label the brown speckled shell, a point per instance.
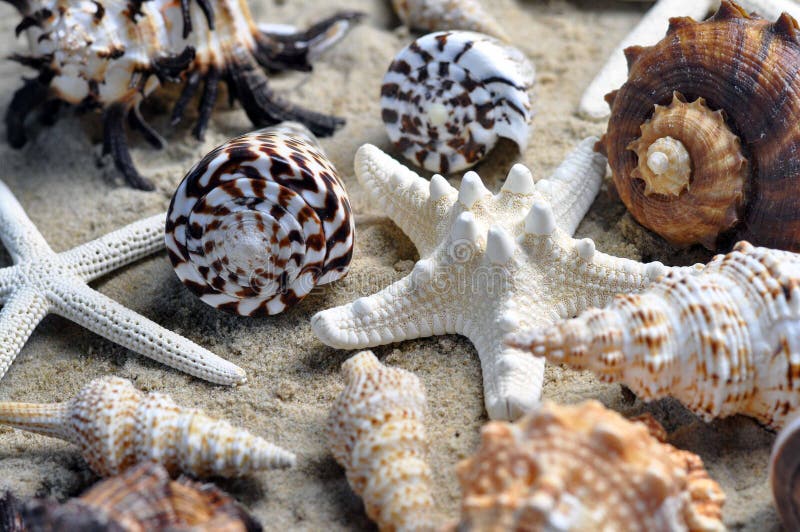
(746, 67)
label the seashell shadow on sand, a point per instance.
(72, 194)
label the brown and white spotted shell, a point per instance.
(259, 222)
(449, 96)
(111, 54)
(703, 140)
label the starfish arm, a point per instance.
(19, 317)
(417, 206)
(650, 29)
(116, 249)
(19, 235)
(103, 316)
(9, 282)
(571, 189)
(410, 308)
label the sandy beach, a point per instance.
(74, 195)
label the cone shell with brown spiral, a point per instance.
(726, 91)
(116, 426)
(584, 467)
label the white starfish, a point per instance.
(651, 29)
(42, 281)
(490, 264)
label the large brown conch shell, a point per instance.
(139, 500)
(703, 140)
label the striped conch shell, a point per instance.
(449, 96)
(260, 221)
(784, 473)
(377, 434)
(723, 340)
(435, 15)
(584, 467)
(116, 426)
(141, 499)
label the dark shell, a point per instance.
(784, 473)
(749, 69)
(141, 499)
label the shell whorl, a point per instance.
(737, 121)
(377, 434)
(117, 426)
(259, 222)
(723, 340)
(440, 15)
(449, 96)
(584, 467)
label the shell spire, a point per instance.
(723, 339)
(377, 434)
(117, 426)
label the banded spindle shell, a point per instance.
(259, 222)
(377, 433)
(726, 91)
(141, 499)
(116, 427)
(723, 339)
(784, 474)
(449, 96)
(584, 467)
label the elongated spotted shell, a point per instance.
(449, 96)
(259, 222)
(111, 55)
(703, 140)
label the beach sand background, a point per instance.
(73, 195)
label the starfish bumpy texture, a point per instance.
(42, 281)
(489, 265)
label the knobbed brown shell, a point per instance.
(703, 140)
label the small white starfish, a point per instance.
(42, 281)
(490, 265)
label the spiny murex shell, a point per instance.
(259, 222)
(116, 426)
(723, 340)
(733, 114)
(377, 433)
(784, 473)
(436, 15)
(449, 96)
(141, 499)
(580, 468)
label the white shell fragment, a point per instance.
(723, 339)
(377, 433)
(439, 15)
(116, 426)
(259, 222)
(490, 265)
(449, 96)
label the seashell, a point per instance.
(732, 113)
(259, 222)
(141, 499)
(436, 15)
(584, 467)
(724, 340)
(377, 433)
(116, 426)
(784, 466)
(113, 55)
(10, 513)
(449, 96)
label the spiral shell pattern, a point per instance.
(377, 433)
(734, 110)
(723, 339)
(449, 96)
(116, 426)
(259, 222)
